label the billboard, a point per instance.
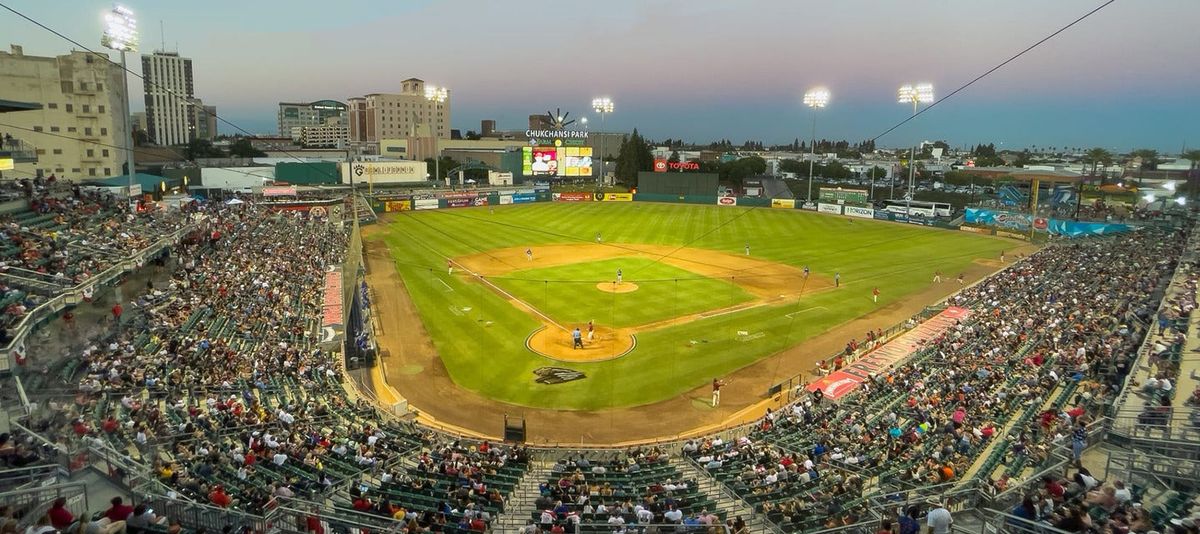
(425, 204)
(843, 196)
(662, 165)
(459, 202)
(855, 211)
(835, 209)
(573, 197)
(384, 172)
(524, 198)
(556, 160)
(726, 201)
(397, 205)
(784, 203)
(614, 197)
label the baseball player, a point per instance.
(837, 279)
(529, 254)
(875, 295)
(806, 271)
(618, 275)
(449, 267)
(599, 238)
(747, 248)
(716, 391)
(937, 277)
(591, 331)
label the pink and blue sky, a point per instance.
(694, 69)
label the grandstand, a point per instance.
(221, 400)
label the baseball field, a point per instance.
(703, 292)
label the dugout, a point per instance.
(677, 183)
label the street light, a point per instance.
(603, 106)
(816, 99)
(921, 93)
(120, 34)
(437, 95)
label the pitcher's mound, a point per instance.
(613, 287)
(606, 344)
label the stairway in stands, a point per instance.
(728, 505)
(521, 502)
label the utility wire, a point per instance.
(994, 69)
(105, 57)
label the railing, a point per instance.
(34, 502)
(19, 150)
(75, 295)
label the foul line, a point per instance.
(448, 288)
(798, 312)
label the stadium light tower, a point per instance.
(437, 95)
(921, 93)
(816, 99)
(120, 34)
(602, 106)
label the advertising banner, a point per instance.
(384, 172)
(331, 312)
(840, 383)
(279, 191)
(999, 219)
(480, 201)
(855, 211)
(506, 199)
(783, 203)
(843, 196)
(459, 202)
(614, 197)
(397, 205)
(975, 230)
(726, 201)
(829, 208)
(525, 198)
(1012, 235)
(883, 215)
(425, 204)
(572, 197)
(1079, 229)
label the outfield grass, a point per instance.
(480, 335)
(568, 293)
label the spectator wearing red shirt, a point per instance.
(60, 517)
(219, 498)
(110, 425)
(362, 504)
(118, 511)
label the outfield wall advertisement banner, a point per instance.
(384, 172)
(829, 208)
(783, 203)
(524, 198)
(614, 197)
(976, 230)
(459, 202)
(843, 196)
(1078, 229)
(726, 201)
(573, 197)
(397, 205)
(855, 211)
(840, 383)
(425, 204)
(999, 219)
(506, 200)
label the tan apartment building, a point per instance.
(80, 124)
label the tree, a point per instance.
(201, 148)
(738, 170)
(634, 157)
(1023, 158)
(141, 138)
(1194, 172)
(241, 148)
(471, 135)
(1098, 157)
(1149, 158)
(674, 157)
(442, 167)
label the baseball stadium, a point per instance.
(373, 321)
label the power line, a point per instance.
(994, 69)
(105, 57)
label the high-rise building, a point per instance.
(80, 95)
(205, 119)
(168, 87)
(301, 114)
(394, 115)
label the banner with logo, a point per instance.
(835, 209)
(855, 211)
(1012, 235)
(997, 218)
(726, 201)
(783, 203)
(614, 197)
(384, 172)
(842, 196)
(975, 230)
(506, 199)
(525, 198)
(1079, 229)
(397, 205)
(279, 191)
(573, 197)
(459, 202)
(480, 201)
(425, 204)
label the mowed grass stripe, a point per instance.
(484, 351)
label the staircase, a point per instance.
(728, 505)
(521, 502)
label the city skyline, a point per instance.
(699, 71)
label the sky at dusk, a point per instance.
(1126, 77)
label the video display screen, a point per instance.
(557, 161)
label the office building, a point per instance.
(294, 115)
(168, 87)
(333, 134)
(398, 115)
(81, 106)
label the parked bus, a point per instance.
(919, 207)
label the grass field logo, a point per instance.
(557, 375)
